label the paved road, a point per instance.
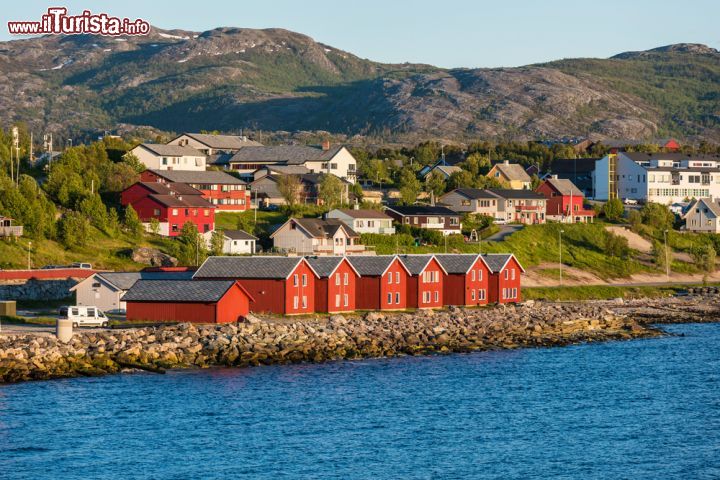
(505, 231)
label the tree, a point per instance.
(133, 162)
(154, 226)
(217, 242)
(132, 223)
(190, 246)
(660, 254)
(435, 183)
(331, 190)
(94, 209)
(289, 188)
(476, 164)
(704, 256)
(409, 187)
(657, 216)
(616, 246)
(613, 209)
(74, 230)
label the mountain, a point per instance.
(235, 78)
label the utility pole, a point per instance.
(560, 253)
(29, 249)
(667, 260)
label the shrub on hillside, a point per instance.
(74, 230)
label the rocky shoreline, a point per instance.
(279, 341)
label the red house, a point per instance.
(208, 301)
(382, 284)
(505, 271)
(425, 284)
(467, 279)
(170, 208)
(283, 285)
(226, 192)
(564, 201)
(141, 190)
(336, 284)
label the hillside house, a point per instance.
(382, 284)
(7, 229)
(364, 220)
(467, 280)
(336, 285)
(197, 301)
(282, 285)
(106, 289)
(473, 200)
(510, 175)
(703, 216)
(169, 157)
(226, 192)
(238, 242)
(564, 201)
(520, 206)
(441, 219)
(211, 144)
(266, 191)
(314, 236)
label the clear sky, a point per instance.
(447, 33)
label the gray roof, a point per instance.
(204, 177)
(362, 213)
(474, 193)
(517, 194)
(319, 228)
(285, 154)
(223, 142)
(415, 263)
(171, 188)
(457, 263)
(238, 235)
(171, 150)
(646, 157)
(371, 265)
(423, 210)
(514, 171)
(125, 280)
(710, 203)
(564, 186)
(324, 266)
(495, 261)
(248, 267)
(178, 290)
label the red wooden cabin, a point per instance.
(283, 285)
(467, 279)
(336, 284)
(208, 301)
(505, 271)
(425, 285)
(382, 284)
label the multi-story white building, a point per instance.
(659, 177)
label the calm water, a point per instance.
(641, 409)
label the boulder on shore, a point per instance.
(153, 257)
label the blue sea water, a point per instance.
(637, 409)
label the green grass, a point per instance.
(598, 292)
(246, 221)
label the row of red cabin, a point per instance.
(296, 285)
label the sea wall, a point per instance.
(279, 341)
(35, 289)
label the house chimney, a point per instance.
(506, 162)
(554, 177)
(326, 145)
(356, 205)
(179, 197)
(244, 138)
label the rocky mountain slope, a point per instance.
(233, 78)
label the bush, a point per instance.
(657, 216)
(616, 246)
(613, 210)
(704, 256)
(74, 230)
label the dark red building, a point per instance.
(425, 284)
(336, 284)
(208, 301)
(283, 285)
(564, 201)
(467, 279)
(226, 192)
(382, 284)
(505, 271)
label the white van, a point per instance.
(84, 316)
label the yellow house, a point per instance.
(511, 175)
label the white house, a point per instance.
(364, 220)
(169, 157)
(324, 159)
(703, 215)
(105, 289)
(211, 144)
(664, 178)
(314, 236)
(238, 242)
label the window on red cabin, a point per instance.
(295, 302)
(174, 227)
(156, 212)
(397, 277)
(174, 212)
(304, 280)
(506, 275)
(397, 298)
(346, 279)
(437, 296)
(473, 278)
(389, 298)
(337, 279)
(390, 280)
(346, 300)
(295, 280)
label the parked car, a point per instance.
(84, 316)
(81, 265)
(630, 201)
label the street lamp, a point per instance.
(667, 261)
(29, 248)
(560, 253)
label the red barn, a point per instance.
(467, 279)
(336, 284)
(382, 284)
(205, 301)
(565, 202)
(225, 191)
(283, 285)
(425, 285)
(505, 271)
